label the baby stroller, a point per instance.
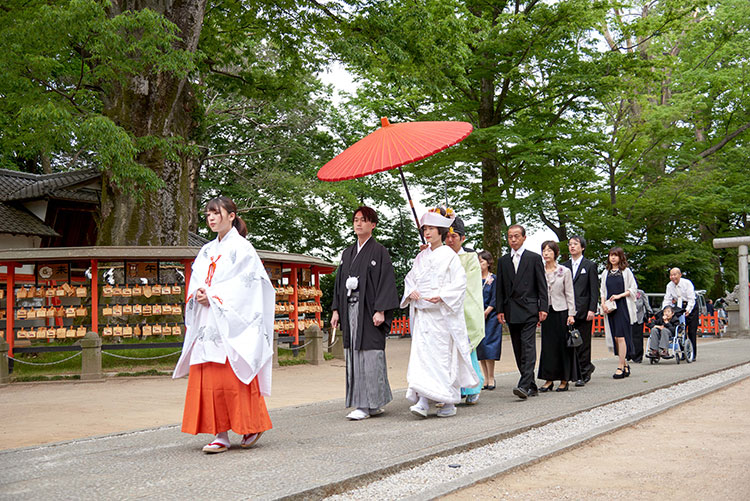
(680, 347)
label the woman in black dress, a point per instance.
(557, 362)
(618, 284)
(488, 350)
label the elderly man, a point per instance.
(681, 293)
(521, 300)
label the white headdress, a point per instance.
(434, 218)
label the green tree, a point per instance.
(515, 69)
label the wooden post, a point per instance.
(188, 267)
(10, 314)
(95, 296)
(275, 348)
(317, 297)
(293, 282)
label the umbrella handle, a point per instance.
(411, 203)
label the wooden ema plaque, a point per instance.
(273, 270)
(142, 270)
(52, 271)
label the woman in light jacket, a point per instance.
(618, 284)
(557, 362)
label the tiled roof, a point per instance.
(19, 221)
(16, 185)
(195, 240)
(79, 195)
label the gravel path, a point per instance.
(493, 458)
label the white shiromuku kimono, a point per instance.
(440, 359)
(238, 325)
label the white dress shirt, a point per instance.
(515, 256)
(359, 247)
(682, 294)
(576, 263)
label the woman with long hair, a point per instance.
(618, 285)
(228, 347)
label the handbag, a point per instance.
(610, 305)
(574, 338)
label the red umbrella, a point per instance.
(392, 146)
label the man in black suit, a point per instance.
(586, 291)
(521, 301)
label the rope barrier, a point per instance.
(299, 347)
(45, 363)
(140, 358)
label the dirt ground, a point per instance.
(696, 451)
(655, 458)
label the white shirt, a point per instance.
(515, 256)
(359, 247)
(682, 293)
(576, 263)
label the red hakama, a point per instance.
(218, 401)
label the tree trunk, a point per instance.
(493, 218)
(160, 105)
(194, 169)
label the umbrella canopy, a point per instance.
(393, 145)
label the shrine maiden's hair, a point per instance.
(216, 204)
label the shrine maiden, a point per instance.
(228, 348)
(440, 359)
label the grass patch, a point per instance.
(287, 357)
(109, 363)
(149, 372)
(59, 377)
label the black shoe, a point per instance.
(521, 393)
(533, 392)
(580, 383)
(587, 377)
(626, 370)
(563, 388)
(545, 389)
(619, 374)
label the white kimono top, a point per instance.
(440, 359)
(237, 326)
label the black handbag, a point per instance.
(574, 337)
